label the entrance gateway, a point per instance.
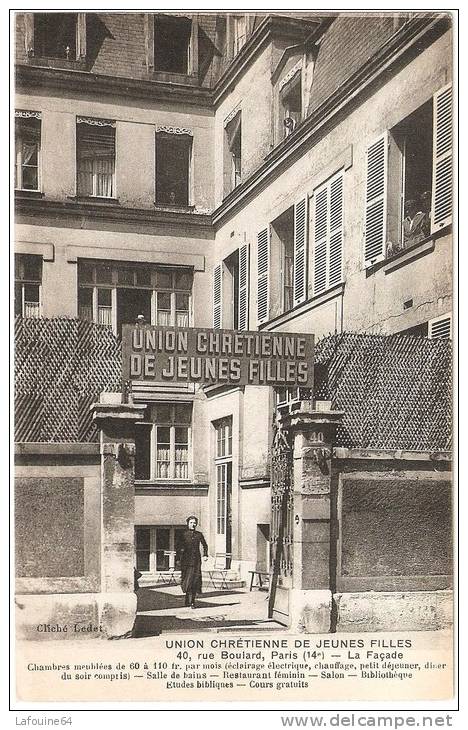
(218, 357)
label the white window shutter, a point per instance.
(440, 327)
(442, 160)
(376, 201)
(243, 304)
(217, 296)
(263, 265)
(300, 251)
(320, 240)
(335, 254)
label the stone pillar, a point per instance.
(312, 433)
(117, 600)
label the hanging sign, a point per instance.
(217, 357)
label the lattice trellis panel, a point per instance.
(61, 367)
(395, 391)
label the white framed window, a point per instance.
(231, 291)
(290, 102)
(283, 396)
(116, 294)
(157, 547)
(164, 443)
(328, 234)
(409, 180)
(233, 153)
(27, 150)
(95, 158)
(239, 32)
(28, 285)
(175, 46)
(223, 476)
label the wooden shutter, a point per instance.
(442, 160)
(217, 296)
(440, 327)
(263, 264)
(243, 299)
(300, 251)
(320, 240)
(335, 246)
(376, 201)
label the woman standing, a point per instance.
(190, 561)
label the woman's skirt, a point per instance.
(191, 579)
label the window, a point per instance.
(231, 291)
(158, 548)
(28, 279)
(239, 32)
(282, 237)
(223, 468)
(288, 395)
(282, 263)
(95, 157)
(173, 163)
(290, 96)
(173, 45)
(27, 150)
(163, 443)
(409, 180)
(115, 294)
(233, 153)
(328, 234)
(55, 35)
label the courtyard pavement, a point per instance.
(161, 610)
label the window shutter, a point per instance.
(376, 201)
(336, 231)
(442, 162)
(300, 251)
(263, 263)
(243, 313)
(217, 296)
(320, 240)
(440, 328)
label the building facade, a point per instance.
(285, 173)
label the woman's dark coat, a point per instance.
(190, 560)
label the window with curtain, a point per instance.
(172, 440)
(103, 288)
(95, 157)
(28, 279)
(27, 150)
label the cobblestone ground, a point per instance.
(161, 610)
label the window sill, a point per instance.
(174, 208)
(169, 484)
(63, 63)
(23, 193)
(400, 258)
(94, 199)
(173, 77)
